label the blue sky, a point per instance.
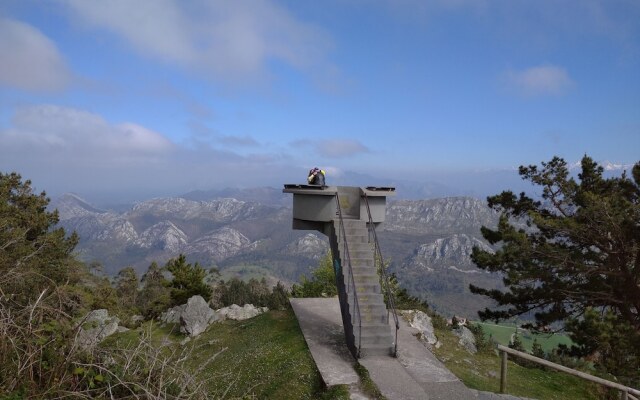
(158, 97)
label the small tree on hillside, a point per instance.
(126, 284)
(323, 282)
(154, 297)
(579, 251)
(29, 238)
(188, 280)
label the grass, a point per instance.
(366, 384)
(264, 357)
(502, 335)
(482, 372)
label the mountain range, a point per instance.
(426, 242)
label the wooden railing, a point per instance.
(627, 393)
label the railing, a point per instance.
(385, 277)
(627, 393)
(350, 281)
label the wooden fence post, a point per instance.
(503, 372)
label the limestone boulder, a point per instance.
(172, 315)
(235, 312)
(196, 316)
(467, 340)
(422, 322)
(96, 326)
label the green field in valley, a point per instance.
(502, 335)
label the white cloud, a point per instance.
(65, 149)
(62, 129)
(30, 60)
(223, 39)
(539, 81)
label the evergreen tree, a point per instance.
(516, 343)
(126, 284)
(323, 282)
(279, 299)
(576, 249)
(536, 349)
(154, 297)
(29, 239)
(188, 280)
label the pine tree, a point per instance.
(323, 283)
(29, 239)
(576, 249)
(188, 280)
(536, 349)
(154, 297)
(126, 284)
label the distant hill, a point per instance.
(428, 242)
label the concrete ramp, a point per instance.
(414, 374)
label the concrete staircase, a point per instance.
(368, 332)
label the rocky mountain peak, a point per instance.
(164, 235)
(449, 214)
(71, 205)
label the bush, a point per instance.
(188, 281)
(322, 283)
(483, 343)
(256, 292)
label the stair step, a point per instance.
(376, 350)
(365, 288)
(361, 263)
(366, 299)
(373, 317)
(365, 246)
(358, 254)
(353, 222)
(356, 239)
(365, 278)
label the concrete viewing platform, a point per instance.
(415, 374)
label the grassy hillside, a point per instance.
(482, 372)
(267, 358)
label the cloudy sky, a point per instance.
(158, 97)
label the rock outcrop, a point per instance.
(467, 340)
(422, 322)
(238, 313)
(196, 316)
(96, 326)
(193, 317)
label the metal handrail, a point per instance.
(627, 392)
(385, 277)
(350, 281)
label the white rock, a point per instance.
(237, 313)
(96, 326)
(422, 322)
(196, 316)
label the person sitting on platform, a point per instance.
(316, 177)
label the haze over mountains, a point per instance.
(426, 238)
(426, 241)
